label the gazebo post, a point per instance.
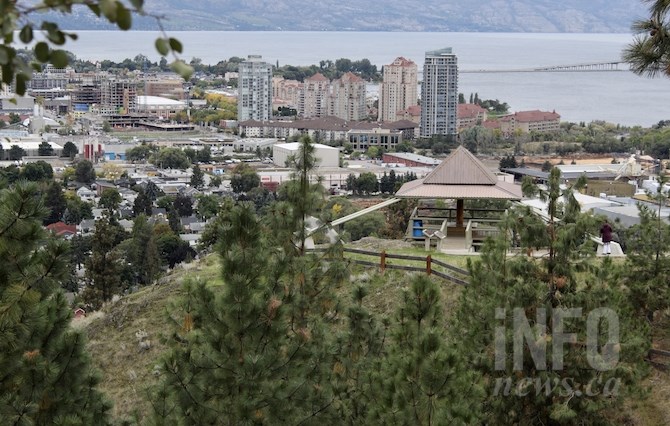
(460, 207)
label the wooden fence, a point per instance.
(425, 264)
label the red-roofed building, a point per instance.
(530, 121)
(470, 115)
(62, 229)
(412, 113)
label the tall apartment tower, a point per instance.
(439, 93)
(398, 89)
(315, 96)
(348, 98)
(254, 101)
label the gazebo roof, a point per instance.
(461, 168)
(460, 176)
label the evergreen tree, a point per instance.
(84, 172)
(70, 150)
(183, 205)
(55, 202)
(424, 381)
(144, 256)
(142, 204)
(16, 153)
(45, 374)
(103, 268)
(45, 149)
(526, 390)
(197, 178)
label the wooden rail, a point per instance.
(425, 264)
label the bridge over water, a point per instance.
(588, 67)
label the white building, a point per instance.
(159, 106)
(326, 156)
(398, 90)
(439, 93)
(254, 101)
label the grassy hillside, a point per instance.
(128, 370)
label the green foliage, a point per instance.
(170, 158)
(197, 178)
(173, 250)
(143, 254)
(84, 172)
(183, 205)
(141, 152)
(77, 210)
(207, 206)
(16, 153)
(103, 267)
(565, 278)
(21, 23)
(37, 171)
(142, 204)
(364, 226)
(110, 200)
(45, 149)
(45, 373)
(244, 178)
(649, 53)
(54, 200)
(508, 162)
(70, 150)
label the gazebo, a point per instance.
(461, 176)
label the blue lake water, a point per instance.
(617, 97)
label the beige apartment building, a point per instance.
(530, 121)
(287, 91)
(398, 90)
(348, 98)
(315, 97)
(470, 115)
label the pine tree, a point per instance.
(45, 374)
(533, 391)
(143, 253)
(197, 178)
(103, 268)
(143, 204)
(55, 201)
(423, 380)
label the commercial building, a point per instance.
(118, 96)
(172, 88)
(254, 101)
(398, 90)
(362, 139)
(326, 156)
(439, 93)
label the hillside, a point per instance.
(393, 15)
(127, 370)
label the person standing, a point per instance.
(606, 235)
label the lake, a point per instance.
(618, 97)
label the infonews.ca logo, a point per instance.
(602, 349)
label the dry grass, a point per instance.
(126, 369)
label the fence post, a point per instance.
(428, 268)
(382, 264)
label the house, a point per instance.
(61, 229)
(79, 313)
(86, 194)
(86, 226)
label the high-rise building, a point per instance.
(118, 96)
(439, 93)
(348, 98)
(254, 101)
(315, 95)
(398, 89)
